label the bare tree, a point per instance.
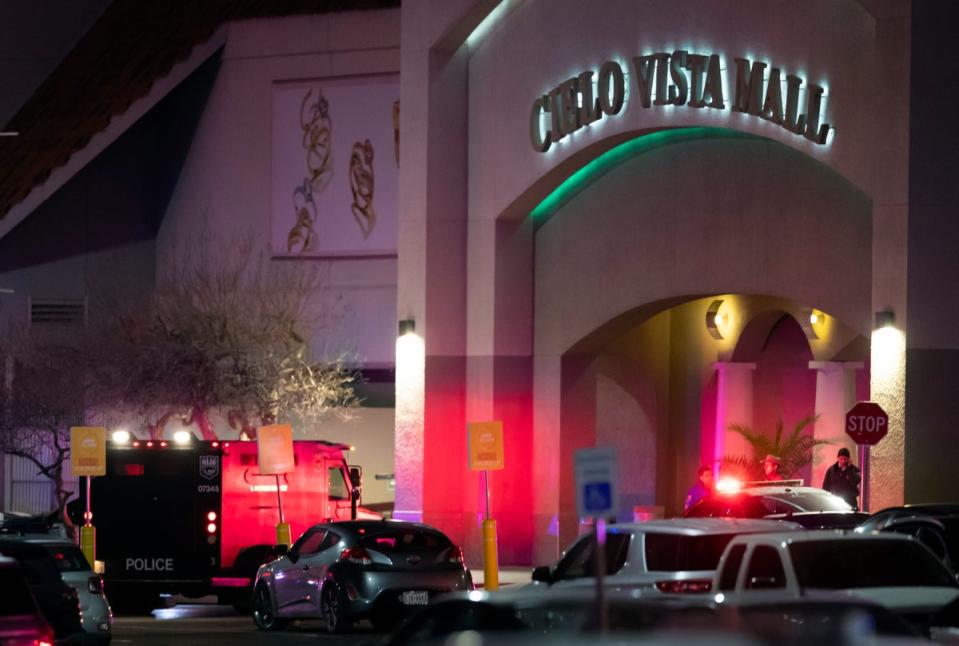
(45, 400)
(230, 335)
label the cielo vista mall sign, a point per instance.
(680, 79)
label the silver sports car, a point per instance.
(346, 571)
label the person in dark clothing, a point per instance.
(703, 487)
(843, 478)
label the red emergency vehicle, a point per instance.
(199, 518)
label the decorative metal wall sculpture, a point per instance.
(396, 131)
(316, 125)
(361, 184)
(320, 204)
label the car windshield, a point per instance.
(68, 558)
(408, 540)
(866, 563)
(16, 597)
(675, 552)
(815, 501)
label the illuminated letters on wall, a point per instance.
(680, 78)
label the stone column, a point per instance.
(835, 395)
(734, 405)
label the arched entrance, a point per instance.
(624, 270)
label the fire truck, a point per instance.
(199, 518)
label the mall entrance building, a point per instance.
(623, 223)
(635, 224)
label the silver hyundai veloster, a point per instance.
(346, 571)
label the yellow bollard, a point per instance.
(490, 565)
(283, 534)
(88, 543)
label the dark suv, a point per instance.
(57, 601)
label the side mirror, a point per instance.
(542, 574)
(356, 477)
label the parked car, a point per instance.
(351, 570)
(895, 571)
(781, 502)
(96, 617)
(676, 555)
(934, 525)
(57, 601)
(21, 622)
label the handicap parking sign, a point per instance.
(596, 482)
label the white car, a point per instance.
(96, 617)
(677, 555)
(893, 570)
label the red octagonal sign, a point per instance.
(867, 423)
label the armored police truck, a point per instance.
(199, 518)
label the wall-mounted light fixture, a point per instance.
(407, 326)
(885, 318)
(715, 319)
(809, 320)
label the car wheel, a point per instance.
(333, 606)
(263, 614)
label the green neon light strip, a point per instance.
(613, 157)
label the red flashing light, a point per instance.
(215, 444)
(690, 586)
(163, 444)
(211, 528)
(136, 444)
(356, 555)
(728, 484)
(149, 445)
(211, 516)
(226, 446)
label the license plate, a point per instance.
(415, 598)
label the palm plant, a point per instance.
(794, 449)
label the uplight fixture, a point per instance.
(715, 319)
(182, 437)
(885, 318)
(808, 320)
(407, 326)
(121, 436)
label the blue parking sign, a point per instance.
(596, 480)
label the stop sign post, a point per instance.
(866, 424)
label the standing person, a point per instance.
(704, 487)
(843, 478)
(771, 465)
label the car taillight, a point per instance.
(456, 555)
(356, 555)
(690, 585)
(46, 640)
(95, 585)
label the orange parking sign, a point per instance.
(274, 446)
(485, 445)
(88, 450)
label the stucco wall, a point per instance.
(225, 182)
(830, 42)
(701, 217)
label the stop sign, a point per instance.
(867, 423)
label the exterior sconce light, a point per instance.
(407, 326)
(809, 320)
(885, 318)
(714, 319)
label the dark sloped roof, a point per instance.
(134, 43)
